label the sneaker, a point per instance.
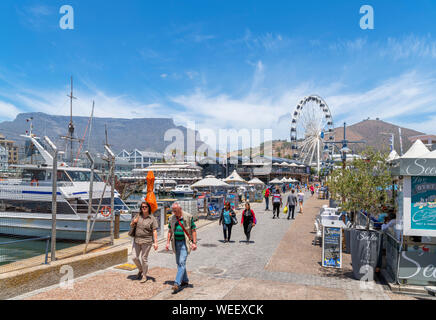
(139, 275)
(175, 288)
(184, 284)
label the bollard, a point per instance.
(117, 225)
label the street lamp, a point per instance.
(344, 150)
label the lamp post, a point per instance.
(344, 150)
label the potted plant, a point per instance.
(362, 187)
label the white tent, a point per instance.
(284, 180)
(234, 178)
(392, 156)
(417, 150)
(209, 181)
(430, 155)
(284, 164)
(293, 164)
(256, 181)
(275, 181)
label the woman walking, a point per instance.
(226, 218)
(248, 220)
(144, 229)
(301, 200)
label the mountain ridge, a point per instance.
(145, 134)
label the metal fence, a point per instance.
(35, 231)
(18, 253)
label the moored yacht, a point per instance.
(26, 201)
(183, 190)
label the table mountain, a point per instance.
(141, 133)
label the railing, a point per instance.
(392, 246)
(361, 220)
(18, 249)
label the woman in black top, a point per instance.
(248, 220)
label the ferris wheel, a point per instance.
(311, 128)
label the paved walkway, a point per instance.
(280, 262)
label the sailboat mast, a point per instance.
(90, 126)
(71, 125)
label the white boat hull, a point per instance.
(68, 227)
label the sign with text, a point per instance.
(332, 247)
(423, 203)
(418, 267)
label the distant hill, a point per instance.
(368, 130)
(371, 131)
(143, 133)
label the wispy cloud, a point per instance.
(8, 110)
(411, 46)
(35, 16)
(56, 102)
(395, 100)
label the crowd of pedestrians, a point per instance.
(182, 235)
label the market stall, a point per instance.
(411, 241)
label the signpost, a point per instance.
(332, 247)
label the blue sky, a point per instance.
(223, 64)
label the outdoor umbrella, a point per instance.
(392, 156)
(275, 181)
(256, 181)
(209, 181)
(234, 178)
(150, 197)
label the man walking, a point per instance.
(266, 195)
(277, 202)
(291, 203)
(182, 235)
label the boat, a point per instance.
(26, 201)
(183, 190)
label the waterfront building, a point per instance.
(4, 158)
(141, 159)
(182, 173)
(11, 148)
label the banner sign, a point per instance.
(414, 167)
(418, 267)
(332, 247)
(423, 215)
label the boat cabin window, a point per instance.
(62, 177)
(82, 176)
(32, 174)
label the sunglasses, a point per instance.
(142, 207)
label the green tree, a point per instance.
(363, 184)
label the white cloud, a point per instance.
(393, 100)
(8, 111)
(57, 103)
(411, 46)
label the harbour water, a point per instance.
(12, 252)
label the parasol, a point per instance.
(150, 197)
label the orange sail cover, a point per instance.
(151, 198)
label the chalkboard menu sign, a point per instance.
(332, 247)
